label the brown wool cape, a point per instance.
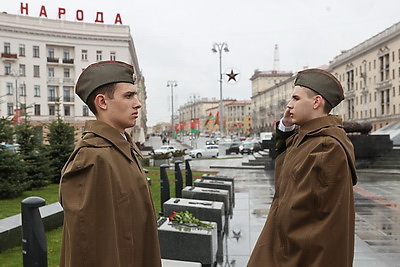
(109, 218)
(312, 216)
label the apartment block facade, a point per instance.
(41, 59)
(369, 74)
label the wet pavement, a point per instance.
(377, 201)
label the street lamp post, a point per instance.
(16, 74)
(217, 48)
(172, 84)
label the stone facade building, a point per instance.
(41, 59)
(269, 96)
(369, 74)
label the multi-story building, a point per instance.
(370, 76)
(268, 96)
(238, 117)
(198, 109)
(41, 59)
(203, 114)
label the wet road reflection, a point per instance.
(377, 199)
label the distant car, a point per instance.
(249, 148)
(165, 149)
(233, 148)
(11, 147)
(212, 142)
(209, 151)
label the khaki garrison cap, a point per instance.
(322, 82)
(102, 73)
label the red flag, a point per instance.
(208, 118)
(217, 118)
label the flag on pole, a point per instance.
(217, 118)
(208, 118)
(192, 125)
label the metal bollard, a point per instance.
(34, 247)
(164, 186)
(188, 172)
(178, 179)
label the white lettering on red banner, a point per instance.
(79, 14)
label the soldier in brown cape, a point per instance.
(109, 218)
(312, 216)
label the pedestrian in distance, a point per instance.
(312, 216)
(109, 217)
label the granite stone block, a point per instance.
(211, 194)
(186, 243)
(204, 210)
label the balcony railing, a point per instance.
(9, 56)
(52, 59)
(53, 80)
(68, 81)
(52, 99)
(68, 99)
(68, 61)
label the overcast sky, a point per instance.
(173, 38)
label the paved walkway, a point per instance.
(377, 218)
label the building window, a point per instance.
(66, 54)
(52, 110)
(10, 88)
(51, 72)
(10, 109)
(85, 110)
(99, 55)
(52, 94)
(350, 80)
(7, 68)
(384, 67)
(37, 110)
(112, 55)
(385, 101)
(36, 51)
(67, 111)
(36, 90)
(22, 50)
(50, 53)
(22, 89)
(84, 55)
(68, 94)
(66, 72)
(36, 71)
(7, 48)
(350, 108)
(22, 69)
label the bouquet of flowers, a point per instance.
(187, 218)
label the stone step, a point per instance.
(384, 166)
(255, 159)
(263, 153)
(390, 162)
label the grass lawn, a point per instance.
(13, 257)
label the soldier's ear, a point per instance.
(319, 101)
(100, 102)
